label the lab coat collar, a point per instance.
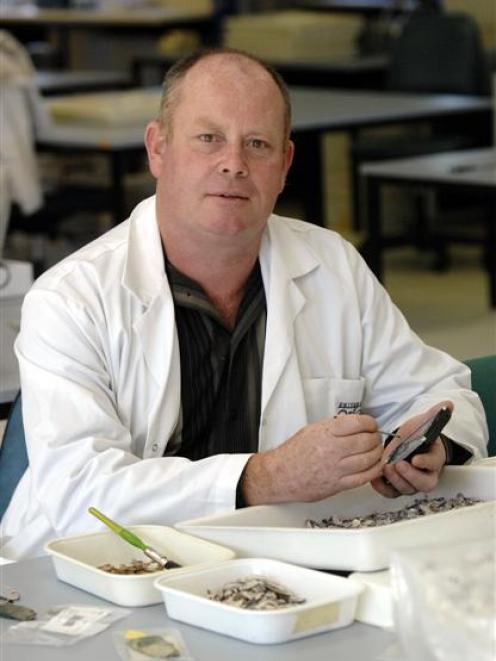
(291, 259)
(283, 261)
(144, 272)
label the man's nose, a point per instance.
(233, 162)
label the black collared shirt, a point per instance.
(221, 370)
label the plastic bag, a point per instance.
(143, 644)
(64, 625)
(445, 601)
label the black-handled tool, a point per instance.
(421, 439)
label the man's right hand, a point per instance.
(320, 460)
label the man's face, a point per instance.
(225, 158)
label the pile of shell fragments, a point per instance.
(420, 507)
(134, 567)
(255, 593)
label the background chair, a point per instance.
(484, 383)
(13, 455)
(438, 53)
(14, 459)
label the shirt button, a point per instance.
(155, 447)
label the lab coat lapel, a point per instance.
(157, 333)
(283, 403)
(284, 303)
(156, 329)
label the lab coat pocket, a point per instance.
(326, 397)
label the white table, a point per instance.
(39, 587)
(61, 23)
(73, 82)
(144, 17)
(472, 172)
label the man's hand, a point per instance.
(422, 474)
(320, 460)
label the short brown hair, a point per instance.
(175, 75)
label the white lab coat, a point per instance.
(100, 374)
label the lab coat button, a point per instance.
(154, 447)
(264, 422)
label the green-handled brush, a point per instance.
(133, 539)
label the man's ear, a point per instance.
(288, 159)
(155, 143)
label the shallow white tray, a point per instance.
(76, 560)
(277, 531)
(330, 601)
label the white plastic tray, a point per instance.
(330, 601)
(277, 531)
(76, 561)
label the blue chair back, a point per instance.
(13, 455)
(484, 383)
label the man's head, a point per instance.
(171, 86)
(220, 150)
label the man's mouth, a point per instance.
(229, 196)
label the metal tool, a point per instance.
(392, 434)
(133, 539)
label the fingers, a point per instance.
(433, 460)
(354, 423)
(358, 462)
(385, 488)
(353, 434)
(421, 475)
(324, 458)
(399, 477)
(403, 479)
(353, 480)
(424, 481)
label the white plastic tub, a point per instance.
(330, 601)
(76, 561)
(278, 531)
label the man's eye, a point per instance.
(206, 137)
(256, 143)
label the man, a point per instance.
(197, 357)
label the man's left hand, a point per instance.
(422, 473)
